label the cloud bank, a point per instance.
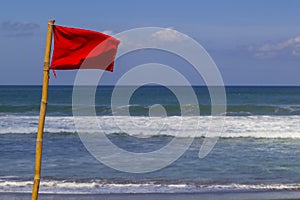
(16, 29)
(289, 47)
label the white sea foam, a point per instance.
(99, 187)
(235, 126)
(291, 186)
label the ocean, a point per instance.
(258, 149)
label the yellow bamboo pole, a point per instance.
(43, 108)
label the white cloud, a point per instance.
(289, 47)
(169, 35)
(108, 32)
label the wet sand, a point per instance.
(274, 195)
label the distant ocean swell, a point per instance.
(235, 126)
(172, 110)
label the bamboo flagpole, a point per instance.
(68, 41)
(43, 108)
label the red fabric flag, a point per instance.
(78, 48)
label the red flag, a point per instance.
(78, 48)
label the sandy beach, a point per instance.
(270, 195)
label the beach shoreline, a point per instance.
(241, 195)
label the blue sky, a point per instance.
(253, 42)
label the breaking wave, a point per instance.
(177, 126)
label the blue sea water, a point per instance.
(258, 149)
